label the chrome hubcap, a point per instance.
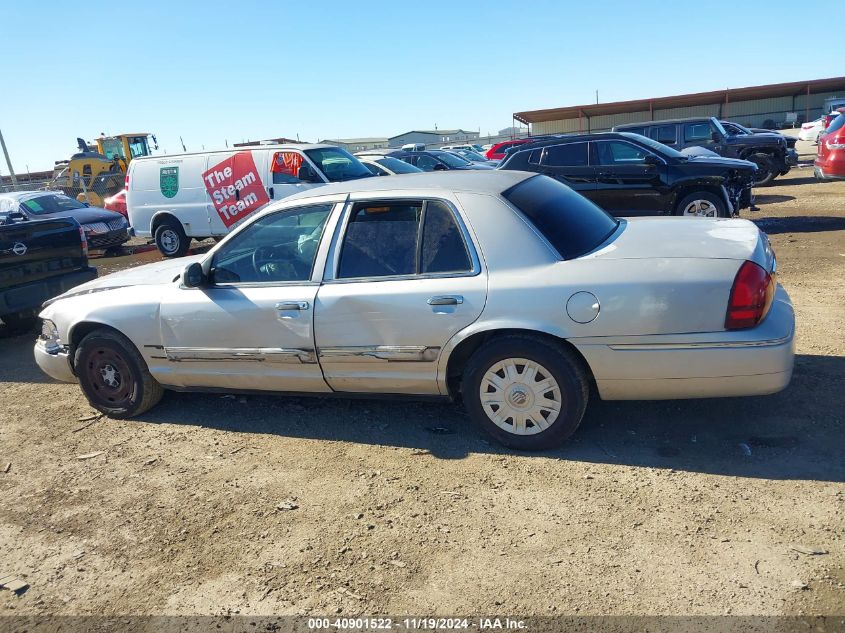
(700, 209)
(169, 240)
(110, 376)
(520, 396)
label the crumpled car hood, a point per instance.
(148, 275)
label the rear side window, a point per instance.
(664, 134)
(572, 224)
(837, 124)
(385, 239)
(697, 132)
(567, 155)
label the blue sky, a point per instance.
(342, 69)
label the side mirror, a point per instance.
(193, 276)
(716, 137)
(16, 216)
(440, 167)
(651, 159)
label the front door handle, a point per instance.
(450, 300)
(291, 305)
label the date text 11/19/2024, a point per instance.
(416, 624)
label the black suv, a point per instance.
(768, 151)
(628, 174)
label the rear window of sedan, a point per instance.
(572, 224)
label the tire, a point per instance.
(766, 170)
(557, 367)
(114, 376)
(709, 205)
(171, 240)
(19, 323)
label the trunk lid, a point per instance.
(661, 237)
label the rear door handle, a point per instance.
(450, 300)
(291, 305)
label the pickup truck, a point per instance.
(770, 152)
(39, 259)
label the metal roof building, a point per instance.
(358, 144)
(752, 106)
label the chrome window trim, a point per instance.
(319, 255)
(330, 275)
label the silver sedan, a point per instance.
(503, 289)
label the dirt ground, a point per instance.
(269, 505)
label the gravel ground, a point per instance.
(272, 505)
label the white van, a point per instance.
(204, 194)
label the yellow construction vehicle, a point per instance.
(91, 175)
(125, 146)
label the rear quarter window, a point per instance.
(572, 224)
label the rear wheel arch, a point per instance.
(160, 218)
(463, 351)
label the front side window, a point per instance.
(619, 153)
(566, 155)
(276, 248)
(452, 160)
(426, 162)
(397, 166)
(375, 169)
(386, 239)
(697, 132)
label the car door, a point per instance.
(570, 164)
(631, 180)
(402, 278)
(290, 172)
(250, 326)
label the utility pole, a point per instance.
(8, 161)
(597, 96)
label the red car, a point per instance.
(117, 202)
(497, 152)
(828, 118)
(830, 162)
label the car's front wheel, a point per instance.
(702, 204)
(114, 376)
(766, 171)
(526, 393)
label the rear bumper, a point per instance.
(720, 364)
(831, 166)
(30, 296)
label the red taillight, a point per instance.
(126, 182)
(751, 297)
(84, 239)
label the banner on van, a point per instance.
(235, 188)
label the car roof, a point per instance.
(281, 146)
(570, 138)
(490, 182)
(662, 121)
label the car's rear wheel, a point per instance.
(524, 392)
(171, 240)
(702, 204)
(114, 376)
(766, 171)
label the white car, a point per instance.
(504, 289)
(810, 131)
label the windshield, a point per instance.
(398, 166)
(572, 224)
(451, 159)
(338, 164)
(658, 148)
(52, 203)
(467, 153)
